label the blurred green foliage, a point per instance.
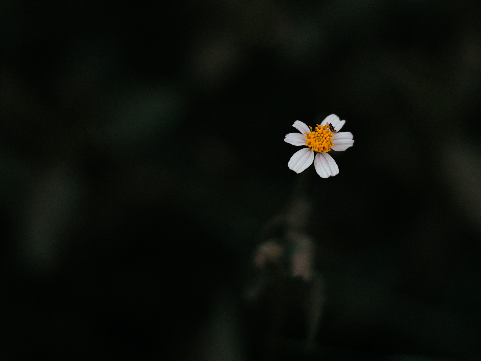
(141, 153)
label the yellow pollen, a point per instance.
(320, 140)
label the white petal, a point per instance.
(340, 125)
(349, 142)
(343, 145)
(340, 148)
(302, 127)
(331, 119)
(301, 160)
(325, 164)
(332, 164)
(335, 121)
(322, 168)
(295, 139)
(342, 135)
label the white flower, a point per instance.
(321, 140)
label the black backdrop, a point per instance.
(143, 170)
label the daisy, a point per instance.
(324, 138)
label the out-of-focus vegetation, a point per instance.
(146, 207)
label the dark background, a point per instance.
(142, 160)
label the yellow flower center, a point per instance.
(320, 140)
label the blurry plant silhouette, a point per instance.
(286, 289)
